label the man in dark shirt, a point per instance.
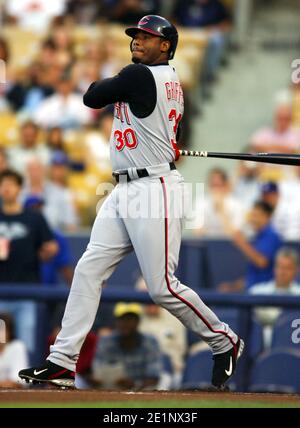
(127, 12)
(201, 13)
(25, 240)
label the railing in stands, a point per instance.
(44, 295)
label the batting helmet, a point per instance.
(157, 26)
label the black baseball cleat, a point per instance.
(225, 365)
(49, 373)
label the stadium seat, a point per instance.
(126, 274)
(255, 342)
(228, 3)
(8, 129)
(192, 37)
(24, 44)
(284, 331)
(296, 108)
(198, 371)
(276, 371)
(77, 245)
(191, 268)
(166, 381)
(167, 364)
(224, 262)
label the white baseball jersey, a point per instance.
(141, 142)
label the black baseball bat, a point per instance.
(274, 158)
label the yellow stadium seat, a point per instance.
(193, 37)
(297, 119)
(8, 129)
(271, 174)
(86, 193)
(229, 3)
(74, 143)
(296, 108)
(24, 44)
(82, 34)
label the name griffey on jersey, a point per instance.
(174, 92)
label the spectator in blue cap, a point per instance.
(270, 188)
(59, 168)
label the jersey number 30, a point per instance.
(126, 138)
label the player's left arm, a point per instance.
(134, 84)
(108, 91)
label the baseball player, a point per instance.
(148, 108)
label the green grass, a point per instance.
(156, 404)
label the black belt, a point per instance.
(141, 172)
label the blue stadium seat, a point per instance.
(191, 268)
(198, 371)
(127, 272)
(167, 378)
(78, 245)
(255, 343)
(276, 371)
(192, 338)
(224, 262)
(167, 364)
(228, 315)
(285, 330)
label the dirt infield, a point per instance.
(57, 396)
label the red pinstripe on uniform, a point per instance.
(190, 305)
